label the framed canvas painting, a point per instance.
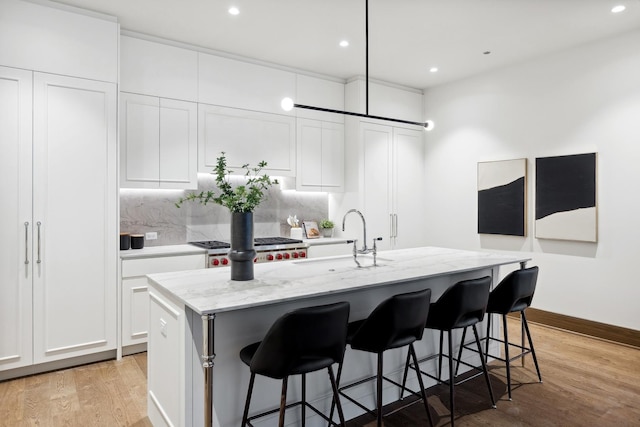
(566, 198)
(502, 193)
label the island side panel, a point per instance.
(235, 329)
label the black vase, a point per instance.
(242, 253)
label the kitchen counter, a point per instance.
(202, 312)
(160, 251)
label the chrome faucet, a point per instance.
(364, 249)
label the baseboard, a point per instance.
(604, 331)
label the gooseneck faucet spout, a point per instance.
(364, 249)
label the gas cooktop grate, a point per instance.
(211, 244)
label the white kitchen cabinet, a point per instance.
(393, 180)
(246, 137)
(239, 84)
(74, 217)
(135, 296)
(58, 39)
(158, 142)
(320, 156)
(16, 250)
(158, 69)
(59, 228)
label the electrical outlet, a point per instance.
(163, 327)
(151, 235)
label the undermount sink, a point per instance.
(366, 261)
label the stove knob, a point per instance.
(255, 259)
(215, 262)
(303, 254)
(279, 256)
(225, 261)
(295, 254)
(269, 257)
(287, 256)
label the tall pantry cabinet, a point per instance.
(58, 227)
(58, 183)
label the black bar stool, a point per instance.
(460, 306)
(396, 322)
(302, 341)
(513, 294)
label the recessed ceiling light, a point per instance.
(234, 10)
(433, 69)
(618, 9)
(344, 43)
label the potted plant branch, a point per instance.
(241, 200)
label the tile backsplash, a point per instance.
(143, 211)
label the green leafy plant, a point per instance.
(326, 223)
(242, 198)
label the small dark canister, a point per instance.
(137, 241)
(125, 241)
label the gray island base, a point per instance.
(200, 319)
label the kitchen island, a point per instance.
(200, 319)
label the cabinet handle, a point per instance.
(391, 225)
(26, 242)
(395, 225)
(39, 224)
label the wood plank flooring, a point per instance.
(587, 382)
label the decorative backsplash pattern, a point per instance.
(142, 211)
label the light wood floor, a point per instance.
(587, 382)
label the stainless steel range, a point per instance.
(268, 249)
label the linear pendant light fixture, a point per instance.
(288, 104)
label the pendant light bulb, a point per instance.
(287, 104)
(429, 125)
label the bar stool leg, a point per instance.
(486, 353)
(451, 377)
(336, 397)
(304, 400)
(406, 371)
(283, 401)
(484, 366)
(440, 356)
(245, 415)
(533, 352)
(379, 391)
(464, 335)
(412, 353)
(506, 354)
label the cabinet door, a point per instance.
(135, 311)
(332, 157)
(16, 254)
(408, 188)
(309, 164)
(75, 213)
(377, 140)
(320, 165)
(246, 137)
(178, 146)
(139, 141)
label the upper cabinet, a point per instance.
(157, 69)
(158, 142)
(232, 83)
(385, 100)
(322, 93)
(246, 137)
(60, 40)
(320, 165)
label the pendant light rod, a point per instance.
(366, 54)
(428, 125)
(425, 125)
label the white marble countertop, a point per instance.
(211, 290)
(326, 241)
(160, 251)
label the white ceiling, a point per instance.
(406, 37)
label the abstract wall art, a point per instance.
(566, 198)
(502, 197)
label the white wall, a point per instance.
(586, 99)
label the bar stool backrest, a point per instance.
(461, 305)
(515, 291)
(312, 337)
(395, 322)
